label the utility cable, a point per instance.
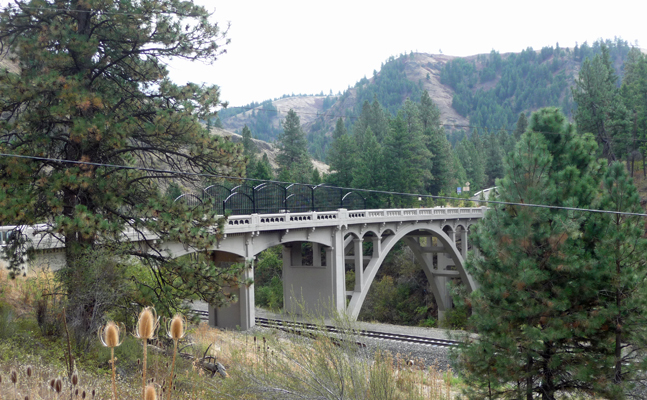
(418, 195)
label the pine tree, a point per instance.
(494, 159)
(369, 171)
(600, 109)
(93, 87)
(621, 250)
(441, 150)
(248, 144)
(521, 126)
(539, 312)
(634, 95)
(342, 157)
(293, 159)
(406, 158)
(262, 169)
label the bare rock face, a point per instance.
(417, 69)
(308, 108)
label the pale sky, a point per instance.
(281, 47)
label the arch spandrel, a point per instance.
(387, 245)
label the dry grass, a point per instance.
(258, 366)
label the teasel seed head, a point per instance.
(176, 327)
(150, 393)
(83, 395)
(147, 324)
(75, 379)
(58, 385)
(29, 371)
(14, 377)
(112, 334)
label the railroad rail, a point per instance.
(289, 326)
(396, 337)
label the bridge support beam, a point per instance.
(241, 314)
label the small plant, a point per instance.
(150, 393)
(176, 331)
(146, 328)
(111, 336)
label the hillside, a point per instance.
(266, 148)
(484, 90)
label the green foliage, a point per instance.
(600, 109)
(93, 87)
(546, 301)
(341, 157)
(521, 82)
(263, 121)
(293, 159)
(634, 96)
(7, 321)
(267, 279)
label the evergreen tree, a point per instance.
(248, 144)
(621, 251)
(93, 87)
(406, 158)
(521, 126)
(600, 109)
(369, 172)
(539, 311)
(634, 95)
(442, 165)
(494, 159)
(292, 158)
(262, 169)
(473, 163)
(341, 157)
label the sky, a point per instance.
(282, 47)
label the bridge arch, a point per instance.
(358, 297)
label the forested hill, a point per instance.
(486, 90)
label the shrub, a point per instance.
(7, 321)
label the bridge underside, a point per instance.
(315, 264)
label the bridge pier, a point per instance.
(242, 313)
(318, 287)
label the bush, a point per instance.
(7, 321)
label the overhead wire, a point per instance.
(384, 192)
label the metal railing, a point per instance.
(272, 198)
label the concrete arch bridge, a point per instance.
(314, 276)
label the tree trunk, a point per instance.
(529, 378)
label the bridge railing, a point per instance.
(272, 198)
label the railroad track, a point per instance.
(291, 327)
(396, 337)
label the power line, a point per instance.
(418, 195)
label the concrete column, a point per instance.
(316, 255)
(359, 264)
(338, 271)
(240, 314)
(444, 260)
(377, 246)
(464, 233)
